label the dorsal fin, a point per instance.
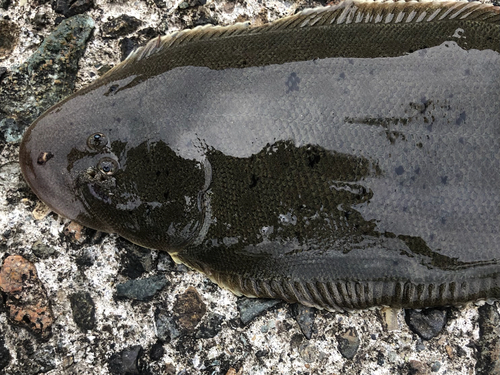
(346, 12)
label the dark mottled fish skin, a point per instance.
(345, 157)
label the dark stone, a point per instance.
(250, 308)
(3, 71)
(189, 309)
(426, 323)
(380, 359)
(9, 34)
(4, 4)
(34, 360)
(304, 316)
(83, 309)
(42, 251)
(348, 343)
(120, 26)
(69, 8)
(261, 353)
(135, 260)
(488, 347)
(5, 356)
(126, 361)
(142, 289)
(157, 351)
(211, 327)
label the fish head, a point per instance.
(98, 167)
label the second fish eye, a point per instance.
(107, 166)
(97, 141)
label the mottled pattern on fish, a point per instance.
(344, 157)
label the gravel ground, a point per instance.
(80, 302)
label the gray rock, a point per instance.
(166, 327)
(304, 316)
(308, 352)
(142, 289)
(42, 251)
(427, 323)
(435, 366)
(348, 343)
(125, 362)
(250, 308)
(48, 75)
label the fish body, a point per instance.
(344, 157)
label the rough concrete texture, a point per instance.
(185, 324)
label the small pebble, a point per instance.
(427, 323)
(42, 251)
(308, 352)
(135, 260)
(250, 308)
(120, 26)
(304, 316)
(166, 326)
(125, 362)
(83, 309)
(157, 351)
(389, 318)
(348, 343)
(435, 366)
(488, 346)
(142, 289)
(417, 368)
(9, 34)
(70, 8)
(189, 309)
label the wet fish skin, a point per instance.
(318, 159)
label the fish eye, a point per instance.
(107, 166)
(97, 141)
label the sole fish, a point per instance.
(344, 157)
